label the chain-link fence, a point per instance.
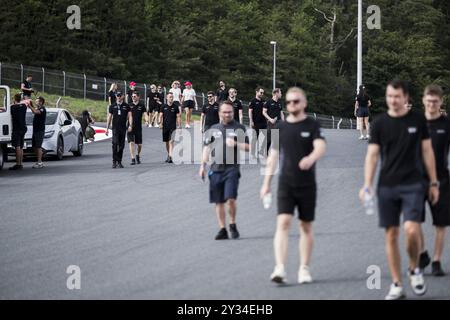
(84, 86)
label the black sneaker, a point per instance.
(222, 235)
(114, 166)
(138, 160)
(119, 165)
(234, 231)
(424, 260)
(436, 269)
(16, 167)
(133, 162)
(170, 160)
(167, 160)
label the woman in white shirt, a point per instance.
(176, 90)
(189, 101)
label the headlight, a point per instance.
(49, 134)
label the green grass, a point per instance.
(98, 109)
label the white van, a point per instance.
(5, 123)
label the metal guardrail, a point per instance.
(84, 86)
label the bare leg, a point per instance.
(412, 231)
(220, 212)
(186, 111)
(306, 242)
(139, 149)
(19, 156)
(132, 150)
(232, 210)
(366, 121)
(393, 253)
(281, 239)
(170, 148)
(439, 243)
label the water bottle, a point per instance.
(369, 203)
(267, 201)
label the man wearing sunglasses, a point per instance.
(257, 120)
(210, 113)
(237, 106)
(302, 144)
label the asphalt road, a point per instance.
(147, 232)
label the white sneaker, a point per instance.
(304, 276)
(361, 138)
(188, 126)
(279, 275)
(38, 165)
(395, 293)
(150, 125)
(418, 282)
(367, 137)
(156, 125)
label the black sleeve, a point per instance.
(424, 128)
(375, 137)
(317, 132)
(250, 105)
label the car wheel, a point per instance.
(60, 149)
(80, 149)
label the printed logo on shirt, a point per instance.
(305, 134)
(441, 131)
(412, 130)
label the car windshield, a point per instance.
(49, 120)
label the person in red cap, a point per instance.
(189, 101)
(131, 92)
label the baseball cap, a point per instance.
(132, 84)
(187, 83)
(119, 94)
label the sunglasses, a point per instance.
(210, 97)
(293, 101)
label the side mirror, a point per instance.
(67, 123)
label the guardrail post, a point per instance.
(165, 95)
(145, 94)
(85, 86)
(332, 118)
(64, 83)
(203, 99)
(0, 73)
(106, 96)
(351, 124)
(315, 116)
(21, 72)
(339, 124)
(43, 80)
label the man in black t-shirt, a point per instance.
(237, 106)
(169, 120)
(273, 112)
(120, 115)
(224, 141)
(257, 120)
(40, 116)
(210, 113)
(439, 128)
(27, 88)
(19, 128)
(222, 92)
(301, 144)
(402, 140)
(135, 136)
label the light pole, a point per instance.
(360, 44)
(274, 43)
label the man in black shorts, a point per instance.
(222, 93)
(257, 120)
(302, 144)
(210, 113)
(224, 142)
(27, 88)
(19, 128)
(237, 106)
(439, 128)
(273, 112)
(169, 119)
(40, 116)
(402, 139)
(135, 137)
(120, 115)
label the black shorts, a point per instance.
(167, 134)
(302, 198)
(38, 139)
(18, 139)
(189, 104)
(441, 211)
(406, 199)
(223, 186)
(362, 112)
(135, 136)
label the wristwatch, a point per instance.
(435, 184)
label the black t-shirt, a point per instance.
(400, 141)
(296, 141)
(440, 137)
(237, 106)
(257, 107)
(120, 116)
(112, 95)
(153, 99)
(211, 113)
(170, 114)
(273, 109)
(39, 120)
(18, 117)
(161, 97)
(222, 95)
(27, 85)
(137, 112)
(363, 101)
(226, 157)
